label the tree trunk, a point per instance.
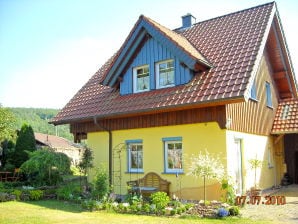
(204, 190)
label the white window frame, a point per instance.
(158, 86)
(135, 79)
(168, 141)
(129, 144)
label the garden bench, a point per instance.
(149, 184)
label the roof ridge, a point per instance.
(232, 13)
(202, 58)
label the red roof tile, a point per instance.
(230, 43)
(55, 142)
(286, 118)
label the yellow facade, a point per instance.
(252, 147)
(195, 138)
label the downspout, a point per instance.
(110, 148)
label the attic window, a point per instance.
(285, 112)
(165, 74)
(141, 79)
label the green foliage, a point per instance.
(35, 195)
(17, 193)
(25, 142)
(101, 183)
(87, 160)
(7, 121)
(234, 211)
(26, 139)
(7, 159)
(229, 189)
(69, 192)
(46, 167)
(160, 199)
(39, 120)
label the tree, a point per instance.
(46, 166)
(25, 142)
(206, 167)
(87, 161)
(7, 120)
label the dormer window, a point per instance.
(141, 79)
(165, 76)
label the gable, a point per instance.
(146, 28)
(150, 54)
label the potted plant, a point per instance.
(255, 164)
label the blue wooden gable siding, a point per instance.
(153, 52)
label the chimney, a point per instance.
(187, 21)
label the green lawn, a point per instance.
(61, 212)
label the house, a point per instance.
(59, 144)
(225, 85)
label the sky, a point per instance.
(50, 48)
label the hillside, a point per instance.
(38, 119)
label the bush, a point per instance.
(46, 167)
(222, 212)
(234, 210)
(101, 183)
(17, 194)
(68, 192)
(160, 199)
(35, 195)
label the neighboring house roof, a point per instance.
(286, 119)
(55, 142)
(231, 45)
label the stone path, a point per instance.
(287, 213)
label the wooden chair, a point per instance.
(15, 176)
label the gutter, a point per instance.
(110, 147)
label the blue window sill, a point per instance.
(135, 172)
(173, 172)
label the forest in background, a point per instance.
(38, 118)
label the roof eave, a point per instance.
(209, 103)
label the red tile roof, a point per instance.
(286, 118)
(231, 43)
(55, 142)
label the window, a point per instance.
(268, 95)
(141, 79)
(165, 74)
(173, 155)
(253, 91)
(134, 155)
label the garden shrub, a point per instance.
(160, 199)
(229, 189)
(46, 167)
(68, 192)
(35, 195)
(17, 194)
(101, 183)
(234, 210)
